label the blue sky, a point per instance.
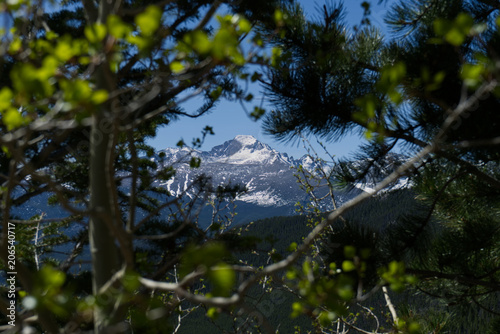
(229, 119)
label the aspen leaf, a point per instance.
(223, 279)
(99, 96)
(117, 28)
(349, 252)
(348, 266)
(5, 98)
(64, 51)
(95, 33)
(176, 67)
(12, 119)
(149, 20)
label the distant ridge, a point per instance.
(267, 174)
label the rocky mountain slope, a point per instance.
(268, 175)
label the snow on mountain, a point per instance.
(268, 175)
(265, 172)
(401, 183)
(246, 150)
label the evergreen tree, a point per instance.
(431, 90)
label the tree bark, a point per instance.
(103, 247)
(104, 251)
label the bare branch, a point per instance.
(390, 305)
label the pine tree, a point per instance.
(429, 87)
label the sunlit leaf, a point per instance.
(223, 279)
(6, 96)
(99, 96)
(117, 28)
(13, 119)
(348, 266)
(149, 20)
(95, 33)
(198, 41)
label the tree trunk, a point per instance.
(103, 247)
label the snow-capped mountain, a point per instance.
(268, 175)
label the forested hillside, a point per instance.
(371, 220)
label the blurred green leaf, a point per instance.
(149, 20)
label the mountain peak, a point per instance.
(245, 140)
(246, 149)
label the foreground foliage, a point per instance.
(431, 93)
(86, 83)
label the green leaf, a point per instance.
(14, 4)
(212, 313)
(257, 113)
(326, 318)
(176, 67)
(76, 91)
(464, 22)
(279, 18)
(13, 119)
(198, 41)
(130, 281)
(223, 279)
(348, 266)
(297, 309)
(117, 28)
(64, 50)
(244, 25)
(291, 274)
(225, 44)
(51, 277)
(149, 20)
(292, 247)
(345, 292)
(455, 37)
(255, 76)
(99, 96)
(249, 97)
(414, 327)
(276, 54)
(51, 35)
(306, 268)
(6, 96)
(142, 43)
(349, 252)
(365, 253)
(368, 105)
(95, 33)
(15, 45)
(472, 74)
(442, 26)
(204, 256)
(455, 32)
(216, 93)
